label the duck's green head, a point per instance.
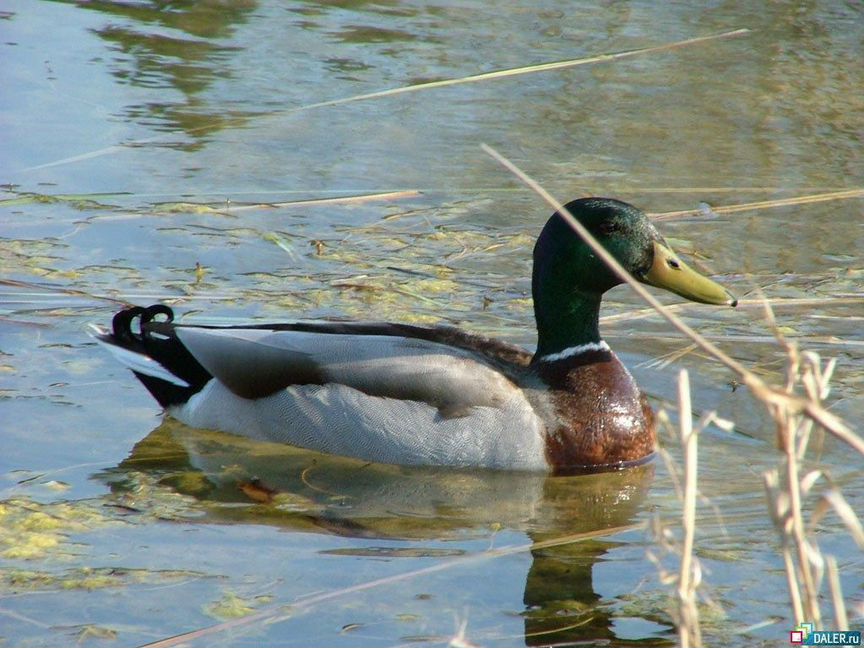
(569, 279)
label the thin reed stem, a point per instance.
(772, 397)
(841, 620)
(794, 415)
(689, 631)
(766, 204)
(799, 536)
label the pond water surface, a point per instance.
(149, 149)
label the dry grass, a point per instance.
(688, 577)
(789, 485)
(798, 410)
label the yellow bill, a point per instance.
(672, 274)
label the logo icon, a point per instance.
(805, 634)
(799, 635)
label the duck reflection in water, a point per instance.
(241, 481)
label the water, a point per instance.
(122, 120)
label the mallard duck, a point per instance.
(411, 395)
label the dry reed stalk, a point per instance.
(323, 202)
(833, 499)
(667, 359)
(541, 67)
(794, 413)
(764, 339)
(841, 620)
(689, 574)
(779, 510)
(772, 397)
(739, 189)
(764, 204)
(688, 577)
(787, 489)
(774, 302)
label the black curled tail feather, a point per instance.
(155, 338)
(121, 325)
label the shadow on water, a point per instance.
(234, 480)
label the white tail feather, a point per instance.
(137, 362)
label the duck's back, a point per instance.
(386, 393)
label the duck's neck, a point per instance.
(566, 324)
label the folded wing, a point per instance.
(254, 363)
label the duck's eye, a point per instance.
(607, 228)
(672, 263)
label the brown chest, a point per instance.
(602, 422)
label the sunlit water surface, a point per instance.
(133, 131)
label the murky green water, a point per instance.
(122, 121)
